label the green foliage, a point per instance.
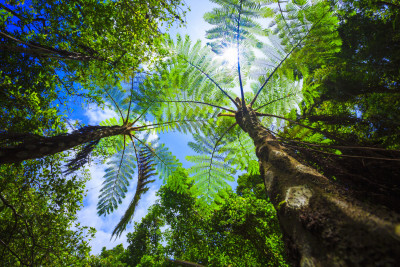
(235, 20)
(56, 53)
(150, 157)
(210, 171)
(145, 242)
(242, 231)
(352, 98)
(116, 180)
(109, 258)
(252, 184)
(38, 218)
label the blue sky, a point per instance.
(177, 144)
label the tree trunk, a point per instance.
(322, 224)
(35, 146)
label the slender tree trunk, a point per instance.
(34, 146)
(323, 225)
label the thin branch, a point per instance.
(238, 57)
(115, 103)
(130, 103)
(284, 59)
(9, 206)
(211, 79)
(12, 252)
(12, 12)
(196, 102)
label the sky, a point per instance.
(176, 143)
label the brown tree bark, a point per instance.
(322, 224)
(34, 146)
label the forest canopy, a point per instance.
(305, 109)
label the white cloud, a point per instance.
(97, 115)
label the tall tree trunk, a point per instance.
(323, 225)
(34, 146)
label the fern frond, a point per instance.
(146, 170)
(211, 171)
(116, 180)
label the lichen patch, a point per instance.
(297, 197)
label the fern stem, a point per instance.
(151, 151)
(138, 118)
(283, 17)
(300, 124)
(130, 103)
(212, 80)
(284, 59)
(196, 102)
(116, 105)
(238, 58)
(212, 155)
(160, 124)
(273, 101)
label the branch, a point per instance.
(9, 206)
(12, 252)
(185, 263)
(12, 12)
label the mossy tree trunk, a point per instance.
(322, 224)
(28, 146)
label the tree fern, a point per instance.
(191, 81)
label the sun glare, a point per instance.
(230, 55)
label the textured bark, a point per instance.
(323, 225)
(34, 146)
